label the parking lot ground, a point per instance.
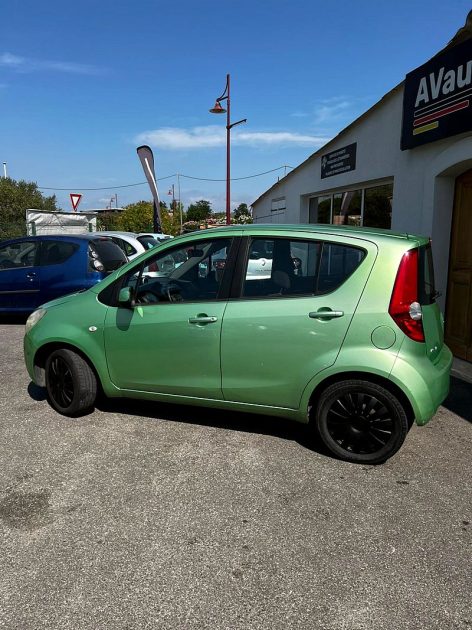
(155, 516)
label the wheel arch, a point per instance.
(363, 376)
(39, 361)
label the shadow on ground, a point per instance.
(220, 418)
(459, 400)
(13, 318)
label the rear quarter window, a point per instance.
(337, 263)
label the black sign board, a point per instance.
(437, 98)
(339, 161)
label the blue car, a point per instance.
(37, 269)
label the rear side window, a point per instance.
(56, 252)
(284, 267)
(108, 253)
(426, 289)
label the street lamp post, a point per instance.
(218, 109)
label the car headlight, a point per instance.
(34, 319)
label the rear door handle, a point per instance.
(326, 314)
(202, 319)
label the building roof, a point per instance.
(464, 33)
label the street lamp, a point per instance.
(218, 109)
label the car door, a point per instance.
(285, 328)
(168, 341)
(59, 268)
(19, 275)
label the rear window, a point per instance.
(426, 289)
(147, 241)
(109, 253)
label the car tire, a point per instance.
(360, 421)
(70, 382)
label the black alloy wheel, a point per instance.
(71, 383)
(61, 382)
(361, 421)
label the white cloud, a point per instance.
(25, 64)
(175, 138)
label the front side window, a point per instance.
(18, 255)
(189, 273)
(298, 267)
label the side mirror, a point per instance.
(125, 297)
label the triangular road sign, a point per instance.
(75, 200)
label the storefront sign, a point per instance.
(339, 161)
(437, 98)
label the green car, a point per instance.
(339, 329)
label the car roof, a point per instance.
(316, 228)
(46, 237)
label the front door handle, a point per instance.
(202, 319)
(325, 314)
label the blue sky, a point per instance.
(82, 84)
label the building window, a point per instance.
(347, 208)
(370, 207)
(278, 204)
(378, 206)
(320, 209)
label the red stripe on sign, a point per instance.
(441, 112)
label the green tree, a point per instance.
(15, 198)
(242, 214)
(199, 211)
(108, 221)
(171, 219)
(137, 217)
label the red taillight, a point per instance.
(404, 302)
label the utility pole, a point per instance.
(180, 203)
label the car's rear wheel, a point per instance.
(360, 421)
(71, 383)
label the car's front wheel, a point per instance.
(71, 383)
(360, 421)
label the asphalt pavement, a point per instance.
(155, 516)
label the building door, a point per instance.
(459, 290)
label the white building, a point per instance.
(406, 165)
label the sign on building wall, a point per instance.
(339, 161)
(437, 98)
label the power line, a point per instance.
(202, 179)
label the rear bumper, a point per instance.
(426, 384)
